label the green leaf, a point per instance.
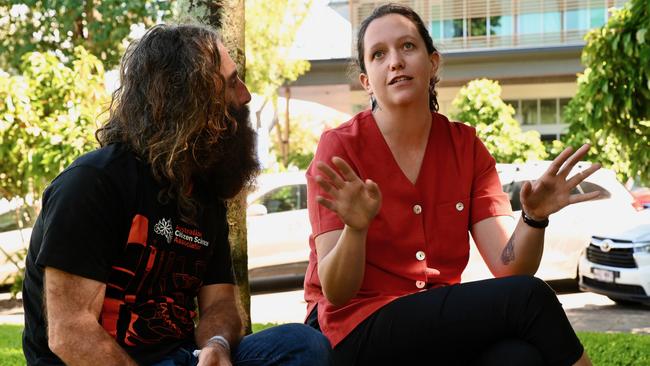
(640, 36)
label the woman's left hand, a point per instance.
(552, 191)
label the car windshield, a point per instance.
(513, 189)
(286, 198)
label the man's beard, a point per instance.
(237, 164)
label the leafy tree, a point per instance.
(479, 104)
(60, 26)
(270, 33)
(305, 133)
(47, 119)
(611, 109)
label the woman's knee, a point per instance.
(533, 287)
(509, 352)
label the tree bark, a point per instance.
(227, 16)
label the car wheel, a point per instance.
(623, 302)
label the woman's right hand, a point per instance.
(355, 202)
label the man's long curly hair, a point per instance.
(170, 108)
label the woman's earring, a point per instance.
(373, 103)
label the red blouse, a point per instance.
(419, 226)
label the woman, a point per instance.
(392, 196)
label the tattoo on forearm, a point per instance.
(508, 254)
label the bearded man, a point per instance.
(133, 237)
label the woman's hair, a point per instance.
(411, 15)
(170, 108)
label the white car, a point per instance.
(617, 264)
(278, 222)
(571, 228)
(278, 228)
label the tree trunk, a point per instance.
(228, 17)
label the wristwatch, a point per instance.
(534, 223)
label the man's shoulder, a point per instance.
(107, 158)
(113, 165)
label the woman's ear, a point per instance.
(365, 82)
(435, 62)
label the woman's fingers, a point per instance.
(556, 164)
(346, 171)
(330, 205)
(333, 176)
(575, 198)
(373, 189)
(582, 175)
(573, 160)
(326, 186)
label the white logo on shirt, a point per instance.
(164, 228)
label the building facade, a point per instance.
(532, 47)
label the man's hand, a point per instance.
(356, 202)
(219, 316)
(214, 355)
(552, 191)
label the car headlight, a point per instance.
(643, 248)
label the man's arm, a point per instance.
(218, 316)
(73, 305)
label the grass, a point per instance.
(11, 350)
(616, 348)
(605, 349)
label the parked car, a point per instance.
(278, 223)
(569, 229)
(278, 229)
(617, 263)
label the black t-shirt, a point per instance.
(101, 219)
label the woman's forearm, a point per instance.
(341, 271)
(523, 251)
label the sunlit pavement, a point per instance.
(586, 311)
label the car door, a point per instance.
(281, 235)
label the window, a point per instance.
(563, 103)
(539, 111)
(548, 111)
(577, 19)
(552, 22)
(477, 27)
(514, 189)
(529, 112)
(452, 28)
(530, 23)
(436, 30)
(597, 17)
(287, 198)
(501, 25)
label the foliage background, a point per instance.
(479, 104)
(611, 109)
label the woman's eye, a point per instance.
(408, 46)
(377, 54)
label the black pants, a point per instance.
(507, 321)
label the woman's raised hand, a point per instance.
(356, 202)
(552, 191)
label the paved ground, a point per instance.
(586, 311)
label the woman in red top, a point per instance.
(393, 194)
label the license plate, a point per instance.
(603, 274)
